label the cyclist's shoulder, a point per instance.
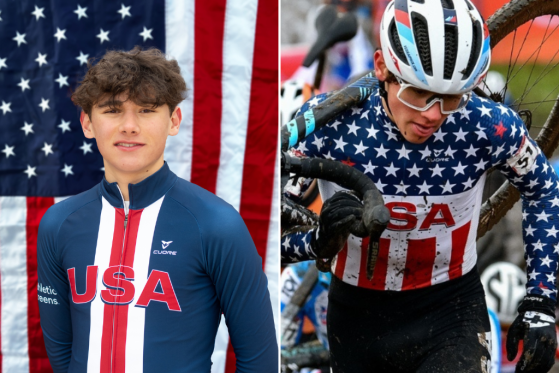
(487, 112)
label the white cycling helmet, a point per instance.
(505, 287)
(437, 45)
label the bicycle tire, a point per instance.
(504, 22)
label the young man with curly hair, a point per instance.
(139, 268)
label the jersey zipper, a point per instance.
(115, 321)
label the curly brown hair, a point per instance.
(144, 76)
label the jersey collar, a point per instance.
(143, 193)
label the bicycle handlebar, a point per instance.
(375, 215)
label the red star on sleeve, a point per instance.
(499, 129)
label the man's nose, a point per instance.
(129, 123)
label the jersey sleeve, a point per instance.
(313, 144)
(236, 270)
(298, 246)
(53, 292)
(521, 160)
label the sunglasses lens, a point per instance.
(422, 100)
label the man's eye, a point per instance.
(110, 111)
(147, 111)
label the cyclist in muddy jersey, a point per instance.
(427, 142)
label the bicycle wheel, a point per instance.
(532, 74)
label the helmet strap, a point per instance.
(382, 92)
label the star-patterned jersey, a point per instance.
(144, 291)
(434, 193)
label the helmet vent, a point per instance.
(395, 41)
(476, 47)
(448, 4)
(470, 6)
(450, 50)
(421, 36)
(419, 1)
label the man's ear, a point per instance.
(86, 125)
(381, 71)
(176, 119)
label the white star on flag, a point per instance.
(81, 12)
(124, 11)
(8, 150)
(60, 34)
(47, 149)
(24, 84)
(44, 104)
(38, 13)
(82, 58)
(65, 126)
(146, 34)
(20, 38)
(103, 36)
(86, 148)
(27, 128)
(67, 170)
(5, 107)
(41, 59)
(30, 171)
(62, 80)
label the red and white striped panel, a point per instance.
(228, 54)
(429, 240)
(22, 351)
(121, 348)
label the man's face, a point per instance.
(131, 138)
(416, 126)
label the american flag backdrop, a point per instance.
(228, 53)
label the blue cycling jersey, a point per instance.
(434, 193)
(144, 291)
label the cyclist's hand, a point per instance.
(536, 327)
(336, 218)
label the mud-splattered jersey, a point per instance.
(144, 291)
(434, 193)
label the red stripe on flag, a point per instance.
(115, 319)
(38, 360)
(459, 238)
(419, 263)
(340, 262)
(262, 135)
(262, 129)
(209, 24)
(230, 359)
(378, 282)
